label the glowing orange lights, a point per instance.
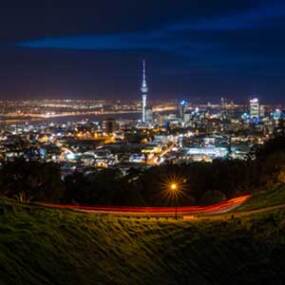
(173, 190)
(173, 186)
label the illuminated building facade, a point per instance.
(182, 108)
(254, 108)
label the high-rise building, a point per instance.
(277, 114)
(262, 111)
(144, 91)
(254, 108)
(223, 103)
(182, 108)
(223, 108)
(109, 125)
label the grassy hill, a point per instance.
(45, 246)
(272, 197)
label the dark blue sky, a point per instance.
(200, 50)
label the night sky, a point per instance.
(198, 50)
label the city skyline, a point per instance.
(231, 50)
(142, 142)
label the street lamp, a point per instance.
(174, 190)
(173, 186)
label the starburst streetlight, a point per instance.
(174, 190)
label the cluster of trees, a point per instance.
(31, 181)
(200, 183)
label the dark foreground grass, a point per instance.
(45, 246)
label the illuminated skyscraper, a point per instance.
(254, 108)
(182, 108)
(262, 111)
(144, 90)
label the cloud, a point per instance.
(89, 42)
(250, 19)
(215, 39)
(160, 40)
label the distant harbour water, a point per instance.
(124, 116)
(71, 118)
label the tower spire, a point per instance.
(144, 90)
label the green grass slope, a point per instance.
(273, 197)
(45, 246)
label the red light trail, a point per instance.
(217, 208)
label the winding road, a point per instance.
(217, 208)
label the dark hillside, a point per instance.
(41, 246)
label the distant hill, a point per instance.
(46, 246)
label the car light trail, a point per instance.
(217, 208)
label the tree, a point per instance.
(31, 181)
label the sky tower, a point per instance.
(144, 90)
